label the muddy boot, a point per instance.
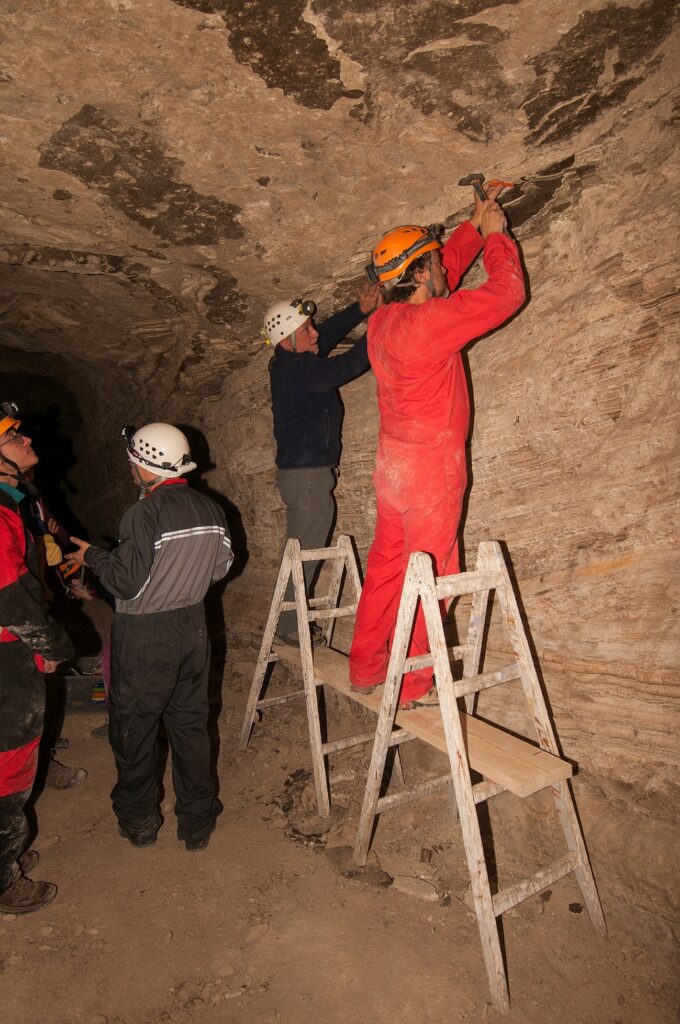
(145, 836)
(60, 776)
(137, 840)
(25, 896)
(200, 842)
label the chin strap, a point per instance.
(143, 485)
(429, 284)
(21, 479)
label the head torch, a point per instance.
(305, 306)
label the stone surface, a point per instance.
(419, 888)
(170, 169)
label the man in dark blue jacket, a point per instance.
(308, 419)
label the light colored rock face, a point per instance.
(171, 168)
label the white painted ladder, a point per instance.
(319, 609)
(490, 575)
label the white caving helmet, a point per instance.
(160, 448)
(283, 318)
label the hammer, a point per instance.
(475, 179)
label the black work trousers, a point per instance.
(22, 706)
(159, 672)
(13, 836)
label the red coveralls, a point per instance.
(27, 636)
(420, 474)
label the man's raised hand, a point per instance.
(368, 297)
(493, 218)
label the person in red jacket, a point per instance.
(31, 644)
(414, 345)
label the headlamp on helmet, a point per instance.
(8, 417)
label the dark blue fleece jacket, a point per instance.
(305, 402)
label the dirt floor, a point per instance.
(262, 927)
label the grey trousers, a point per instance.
(310, 516)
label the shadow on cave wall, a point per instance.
(214, 607)
(51, 417)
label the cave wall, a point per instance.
(172, 168)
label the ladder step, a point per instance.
(507, 898)
(473, 684)
(349, 741)
(426, 660)
(400, 736)
(322, 613)
(407, 796)
(270, 702)
(319, 554)
(395, 739)
(420, 661)
(332, 613)
(466, 583)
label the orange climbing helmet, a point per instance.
(397, 249)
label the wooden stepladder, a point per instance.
(490, 575)
(318, 609)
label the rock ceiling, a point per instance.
(172, 167)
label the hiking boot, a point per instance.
(60, 776)
(194, 843)
(101, 730)
(25, 896)
(146, 838)
(28, 861)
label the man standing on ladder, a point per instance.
(414, 345)
(308, 420)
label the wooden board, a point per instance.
(519, 765)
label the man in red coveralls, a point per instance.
(31, 644)
(414, 346)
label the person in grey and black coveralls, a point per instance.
(174, 543)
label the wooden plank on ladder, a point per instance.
(516, 764)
